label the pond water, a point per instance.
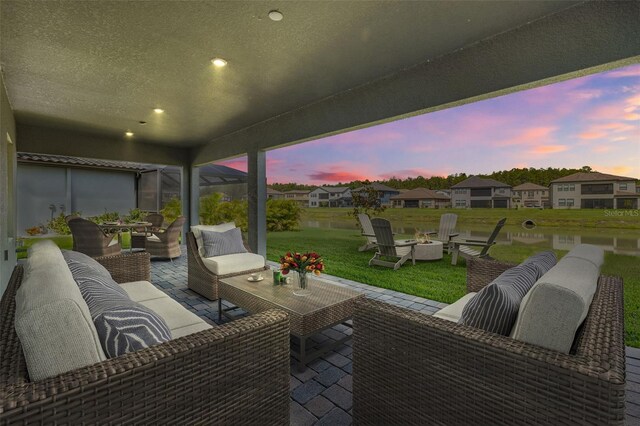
(619, 241)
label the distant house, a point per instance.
(594, 191)
(476, 192)
(300, 196)
(384, 192)
(273, 193)
(530, 195)
(330, 196)
(421, 198)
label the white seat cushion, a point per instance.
(180, 320)
(153, 238)
(453, 312)
(141, 291)
(233, 263)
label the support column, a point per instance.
(257, 195)
(192, 191)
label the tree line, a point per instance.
(513, 177)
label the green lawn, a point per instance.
(578, 218)
(63, 241)
(437, 280)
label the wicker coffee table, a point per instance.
(326, 306)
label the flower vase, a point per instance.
(302, 289)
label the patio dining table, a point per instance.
(119, 228)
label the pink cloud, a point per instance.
(633, 71)
(592, 135)
(341, 176)
(530, 136)
(548, 149)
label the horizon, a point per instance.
(587, 121)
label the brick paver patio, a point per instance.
(321, 395)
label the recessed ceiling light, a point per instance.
(158, 110)
(142, 122)
(129, 134)
(276, 15)
(218, 62)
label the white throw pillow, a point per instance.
(215, 228)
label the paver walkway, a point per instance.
(322, 394)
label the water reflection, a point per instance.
(619, 241)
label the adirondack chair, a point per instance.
(445, 233)
(388, 247)
(465, 248)
(367, 232)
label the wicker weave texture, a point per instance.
(411, 368)
(200, 278)
(234, 374)
(127, 267)
(327, 305)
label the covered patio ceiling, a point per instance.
(104, 66)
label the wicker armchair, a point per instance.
(412, 368)
(89, 239)
(201, 279)
(237, 373)
(166, 244)
(139, 236)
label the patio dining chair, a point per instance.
(474, 248)
(89, 239)
(388, 247)
(139, 236)
(166, 244)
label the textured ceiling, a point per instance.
(103, 66)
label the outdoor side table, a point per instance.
(327, 305)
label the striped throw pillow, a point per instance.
(495, 307)
(221, 243)
(123, 325)
(543, 261)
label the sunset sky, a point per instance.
(592, 121)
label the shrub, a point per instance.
(59, 225)
(172, 210)
(106, 217)
(135, 215)
(367, 202)
(283, 215)
(209, 214)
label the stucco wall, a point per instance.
(7, 186)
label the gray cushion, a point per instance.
(197, 229)
(558, 303)
(87, 272)
(52, 319)
(122, 324)
(495, 307)
(222, 243)
(543, 261)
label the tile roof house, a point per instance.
(421, 197)
(330, 196)
(477, 192)
(385, 193)
(594, 190)
(530, 195)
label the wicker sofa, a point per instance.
(413, 368)
(231, 374)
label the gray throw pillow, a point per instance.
(495, 307)
(221, 243)
(87, 272)
(543, 261)
(122, 324)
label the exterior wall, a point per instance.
(301, 199)
(535, 198)
(45, 191)
(462, 198)
(569, 195)
(315, 198)
(422, 203)
(8, 211)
